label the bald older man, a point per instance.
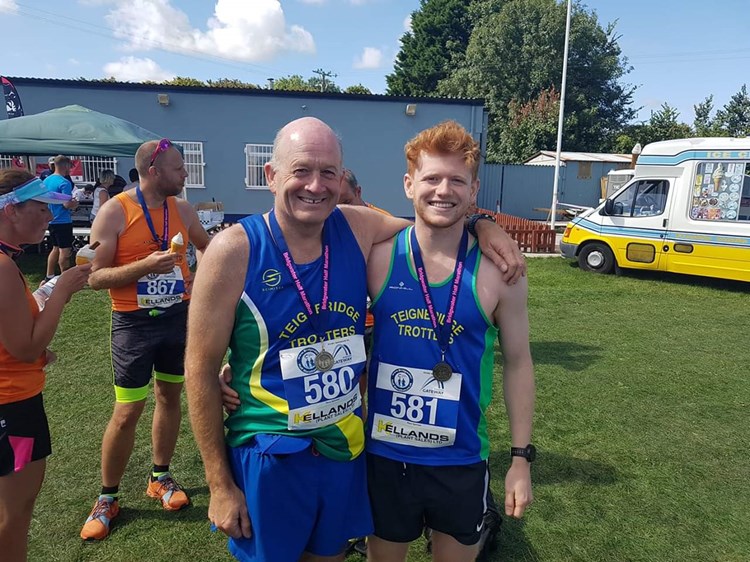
(285, 292)
(149, 288)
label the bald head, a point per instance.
(299, 132)
(143, 157)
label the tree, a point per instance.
(663, 125)
(515, 54)
(440, 31)
(183, 81)
(703, 124)
(295, 82)
(734, 118)
(230, 83)
(357, 89)
(532, 127)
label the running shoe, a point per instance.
(97, 525)
(168, 491)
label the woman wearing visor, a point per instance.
(25, 333)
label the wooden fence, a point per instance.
(532, 236)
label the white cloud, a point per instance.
(238, 30)
(74, 62)
(407, 23)
(370, 58)
(132, 69)
(8, 6)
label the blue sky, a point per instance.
(681, 51)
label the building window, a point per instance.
(90, 167)
(10, 161)
(192, 152)
(584, 170)
(256, 155)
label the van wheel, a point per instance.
(596, 257)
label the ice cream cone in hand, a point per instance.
(177, 244)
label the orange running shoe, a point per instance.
(168, 491)
(97, 525)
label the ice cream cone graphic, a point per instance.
(717, 176)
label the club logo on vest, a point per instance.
(401, 380)
(271, 278)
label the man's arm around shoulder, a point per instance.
(371, 227)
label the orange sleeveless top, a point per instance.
(19, 380)
(135, 243)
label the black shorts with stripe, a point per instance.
(144, 343)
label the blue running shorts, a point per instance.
(298, 500)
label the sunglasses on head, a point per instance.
(163, 146)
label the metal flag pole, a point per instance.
(553, 207)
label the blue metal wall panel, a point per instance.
(518, 189)
(373, 131)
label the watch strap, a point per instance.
(471, 223)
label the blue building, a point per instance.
(227, 133)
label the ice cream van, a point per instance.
(686, 210)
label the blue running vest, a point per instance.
(411, 416)
(273, 346)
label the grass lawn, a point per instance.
(643, 404)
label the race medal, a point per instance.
(324, 361)
(442, 371)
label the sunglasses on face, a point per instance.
(163, 146)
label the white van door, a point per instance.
(638, 223)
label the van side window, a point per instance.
(721, 191)
(744, 213)
(644, 198)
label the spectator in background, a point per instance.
(133, 176)
(61, 227)
(101, 192)
(353, 195)
(50, 170)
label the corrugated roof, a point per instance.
(547, 158)
(101, 84)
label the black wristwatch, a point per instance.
(471, 223)
(528, 452)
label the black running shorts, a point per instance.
(143, 344)
(61, 235)
(24, 434)
(407, 497)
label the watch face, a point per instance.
(530, 453)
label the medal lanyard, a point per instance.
(147, 214)
(319, 320)
(443, 331)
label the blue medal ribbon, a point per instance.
(147, 214)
